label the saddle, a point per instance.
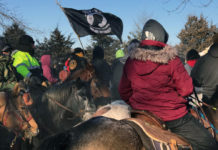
(155, 130)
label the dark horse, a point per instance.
(98, 133)
(15, 117)
(62, 106)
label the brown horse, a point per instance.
(88, 75)
(14, 114)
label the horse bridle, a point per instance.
(62, 106)
(18, 117)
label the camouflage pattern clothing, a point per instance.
(7, 74)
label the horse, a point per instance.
(15, 116)
(61, 106)
(112, 128)
(98, 133)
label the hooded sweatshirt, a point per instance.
(205, 74)
(156, 81)
(46, 61)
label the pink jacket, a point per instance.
(46, 62)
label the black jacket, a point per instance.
(205, 72)
(117, 70)
(102, 70)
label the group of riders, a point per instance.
(151, 78)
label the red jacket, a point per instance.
(156, 81)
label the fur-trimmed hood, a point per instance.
(145, 61)
(157, 56)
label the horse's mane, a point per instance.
(78, 79)
(76, 82)
(61, 91)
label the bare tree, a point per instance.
(7, 17)
(183, 3)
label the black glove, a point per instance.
(34, 80)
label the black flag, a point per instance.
(93, 22)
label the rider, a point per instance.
(154, 79)
(8, 76)
(76, 60)
(191, 58)
(24, 62)
(46, 67)
(205, 74)
(102, 68)
(117, 68)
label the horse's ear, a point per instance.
(101, 111)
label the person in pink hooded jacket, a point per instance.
(46, 67)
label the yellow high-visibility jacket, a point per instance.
(24, 63)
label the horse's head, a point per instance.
(98, 89)
(88, 75)
(21, 89)
(14, 113)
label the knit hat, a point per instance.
(26, 40)
(79, 52)
(119, 53)
(192, 54)
(26, 43)
(154, 36)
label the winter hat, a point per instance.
(98, 53)
(154, 36)
(26, 40)
(132, 45)
(192, 54)
(79, 52)
(119, 53)
(26, 43)
(4, 47)
(7, 48)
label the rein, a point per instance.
(204, 115)
(205, 104)
(66, 108)
(62, 106)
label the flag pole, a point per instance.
(72, 27)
